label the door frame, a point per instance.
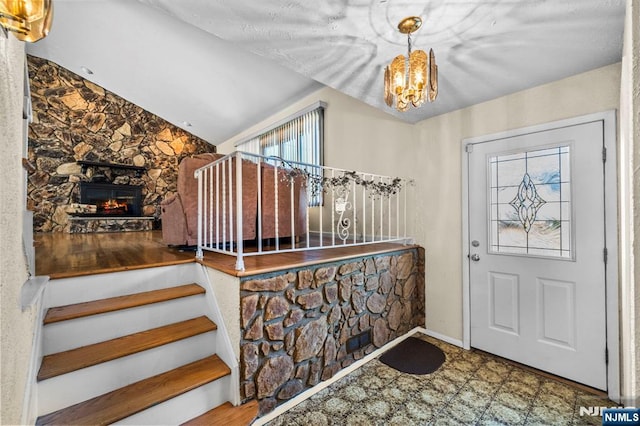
(611, 232)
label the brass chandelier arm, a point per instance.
(29, 20)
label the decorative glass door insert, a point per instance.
(530, 203)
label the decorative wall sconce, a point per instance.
(412, 79)
(28, 20)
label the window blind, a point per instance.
(297, 138)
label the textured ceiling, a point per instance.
(188, 60)
(168, 67)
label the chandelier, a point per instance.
(414, 78)
(28, 20)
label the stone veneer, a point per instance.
(295, 324)
(74, 119)
(91, 225)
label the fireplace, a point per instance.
(111, 200)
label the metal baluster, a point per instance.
(389, 212)
(373, 215)
(398, 214)
(224, 205)
(293, 225)
(354, 212)
(275, 190)
(381, 217)
(406, 189)
(333, 214)
(203, 173)
(239, 236)
(307, 214)
(210, 169)
(230, 161)
(218, 206)
(364, 212)
(322, 206)
(259, 171)
(205, 208)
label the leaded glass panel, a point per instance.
(530, 208)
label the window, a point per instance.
(297, 138)
(530, 211)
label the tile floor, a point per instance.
(471, 388)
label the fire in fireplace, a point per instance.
(112, 200)
(112, 206)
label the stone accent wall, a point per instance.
(75, 119)
(89, 225)
(295, 324)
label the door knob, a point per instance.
(475, 257)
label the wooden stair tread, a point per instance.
(129, 400)
(79, 310)
(227, 414)
(86, 356)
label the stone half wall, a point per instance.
(295, 324)
(74, 119)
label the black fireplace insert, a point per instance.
(112, 200)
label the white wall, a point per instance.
(629, 184)
(633, 9)
(359, 137)
(16, 327)
(438, 173)
(226, 289)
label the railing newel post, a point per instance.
(199, 253)
(275, 191)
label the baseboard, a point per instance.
(339, 375)
(447, 339)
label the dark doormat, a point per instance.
(414, 356)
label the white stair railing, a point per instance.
(250, 204)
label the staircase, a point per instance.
(133, 348)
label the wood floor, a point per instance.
(62, 255)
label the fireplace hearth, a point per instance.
(111, 200)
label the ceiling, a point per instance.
(224, 65)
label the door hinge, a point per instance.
(468, 148)
(605, 254)
(604, 154)
(606, 355)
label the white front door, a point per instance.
(537, 238)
